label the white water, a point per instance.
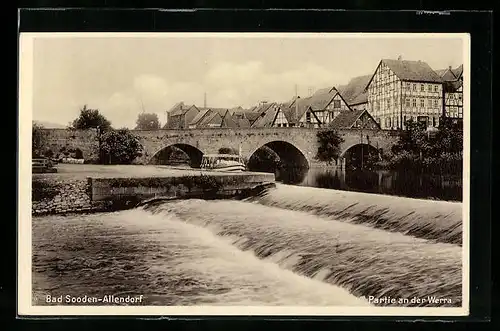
(226, 252)
(439, 221)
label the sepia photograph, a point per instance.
(244, 174)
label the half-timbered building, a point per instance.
(453, 92)
(401, 90)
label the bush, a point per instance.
(421, 151)
(119, 147)
(228, 150)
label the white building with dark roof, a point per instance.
(401, 90)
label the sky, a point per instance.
(124, 76)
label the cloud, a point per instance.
(246, 84)
(226, 84)
(150, 93)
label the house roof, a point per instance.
(243, 123)
(452, 86)
(320, 101)
(263, 107)
(209, 118)
(354, 92)
(446, 74)
(228, 121)
(241, 118)
(288, 103)
(450, 74)
(322, 91)
(361, 98)
(202, 114)
(346, 119)
(179, 109)
(417, 71)
(458, 71)
(266, 118)
(251, 116)
(221, 111)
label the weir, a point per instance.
(438, 221)
(109, 192)
(363, 260)
(328, 247)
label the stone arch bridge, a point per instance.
(293, 145)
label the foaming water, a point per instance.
(439, 221)
(167, 260)
(363, 260)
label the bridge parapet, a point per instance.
(210, 140)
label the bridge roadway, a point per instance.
(293, 145)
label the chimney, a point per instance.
(449, 67)
(205, 100)
(400, 58)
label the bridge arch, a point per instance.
(288, 153)
(360, 154)
(169, 153)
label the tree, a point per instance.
(329, 145)
(38, 140)
(432, 151)
(91, 118)
(119, 147)
(147, 121)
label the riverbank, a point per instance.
(92, 188)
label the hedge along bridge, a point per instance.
(295, 146)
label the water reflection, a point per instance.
(407, 184)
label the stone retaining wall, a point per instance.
(53, 195)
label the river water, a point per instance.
(398, 183)
(290, 246)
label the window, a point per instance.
(336, 103)
(279, 125)
(430, 88)
(414, 102)
(388, 122)
(433, 121)
(435, 88)
(435, 103)
(460, 96)
(396, 122)
(407, 102)
(430, 103)
(414, 87)
(422, 103)
(408, 86)
(388, 103)
(308, 117)
(422, 87)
